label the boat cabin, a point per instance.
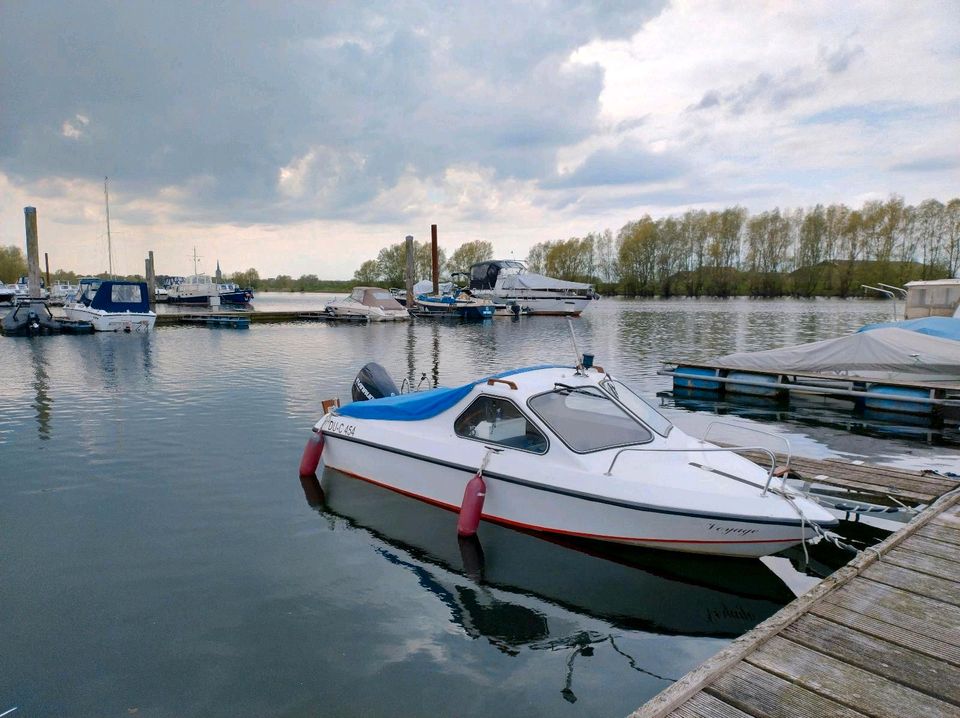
(483, 275)
(936, 298)
(113, 295)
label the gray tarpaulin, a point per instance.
(878, 354)
(528, 280)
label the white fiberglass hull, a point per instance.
(541, 302)
(112, 321)
(373, 314)
(533, 504)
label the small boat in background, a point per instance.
(195, 289)
(373, 303)
(33, 318)
(112, 306)
(8, 293)
(231, 293)
(509, 281)
(63, 292)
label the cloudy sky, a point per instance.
(302, 137)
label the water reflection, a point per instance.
(658, 591)
(42, 402)
(521, 592)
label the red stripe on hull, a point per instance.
(532, 527)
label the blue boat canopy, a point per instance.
(943, 327)
(110, 295)
(423, 404)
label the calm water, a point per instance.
(160, 557)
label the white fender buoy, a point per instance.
(311, 454)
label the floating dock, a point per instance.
(878, 637)
(939, 400)
(254, 317)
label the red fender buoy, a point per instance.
(311, 454)
(472, 506)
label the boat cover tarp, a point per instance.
(425, 286)
(528, 280)
(422, 404)
(944, 327)
(886, 353)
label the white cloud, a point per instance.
(74, 127)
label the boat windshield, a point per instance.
(588, 420)
(637, 406)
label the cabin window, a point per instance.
(125, 294)
(637, 406)
(587, 420)
(498, 421)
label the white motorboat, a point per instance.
(8, 293)
(373, 303)
(508, 281)
(564, 450)
(195, 289)
(62, 292)
(112, 306)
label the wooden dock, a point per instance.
(880, 637)
(254, 317)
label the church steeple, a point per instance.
(219, 274)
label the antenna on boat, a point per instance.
(195, 258)
(106, 198)
(576, 349)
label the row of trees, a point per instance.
(817, 251)
(390, 266)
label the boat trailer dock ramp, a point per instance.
(878, 638)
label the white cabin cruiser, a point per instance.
(567, 451)
(508, 281)
(373, 303)
(112, 306)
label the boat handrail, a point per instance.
(512, 385)
(732, 449)
(785, 440)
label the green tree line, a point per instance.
(819, 251)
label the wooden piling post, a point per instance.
(33, 250)
(151, 279)
(435, 259)
(410, 271)
(46, 262)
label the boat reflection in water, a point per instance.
(522, 591)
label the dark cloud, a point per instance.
(220, 97)
(764, 90)
(622, 165)
(838, 60)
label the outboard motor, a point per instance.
(373, 382)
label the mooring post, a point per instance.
(435, 260)
(410, 271)
(151, 279)
(46, 263)
(33, 250)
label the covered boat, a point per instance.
(112, 306)
(373, 303)
(887, 352)
(566, 451)
(508, 281)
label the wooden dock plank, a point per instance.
(890, 651)
(932, 547)
(918, 561)
(760, 693)
(886, 659)
(925, 616)
(894, 633)
(941, 589)
(946, 534)
(846, 684)
(706, 706)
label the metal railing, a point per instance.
(786, 442)
(732, 450)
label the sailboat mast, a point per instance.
(106, 198)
